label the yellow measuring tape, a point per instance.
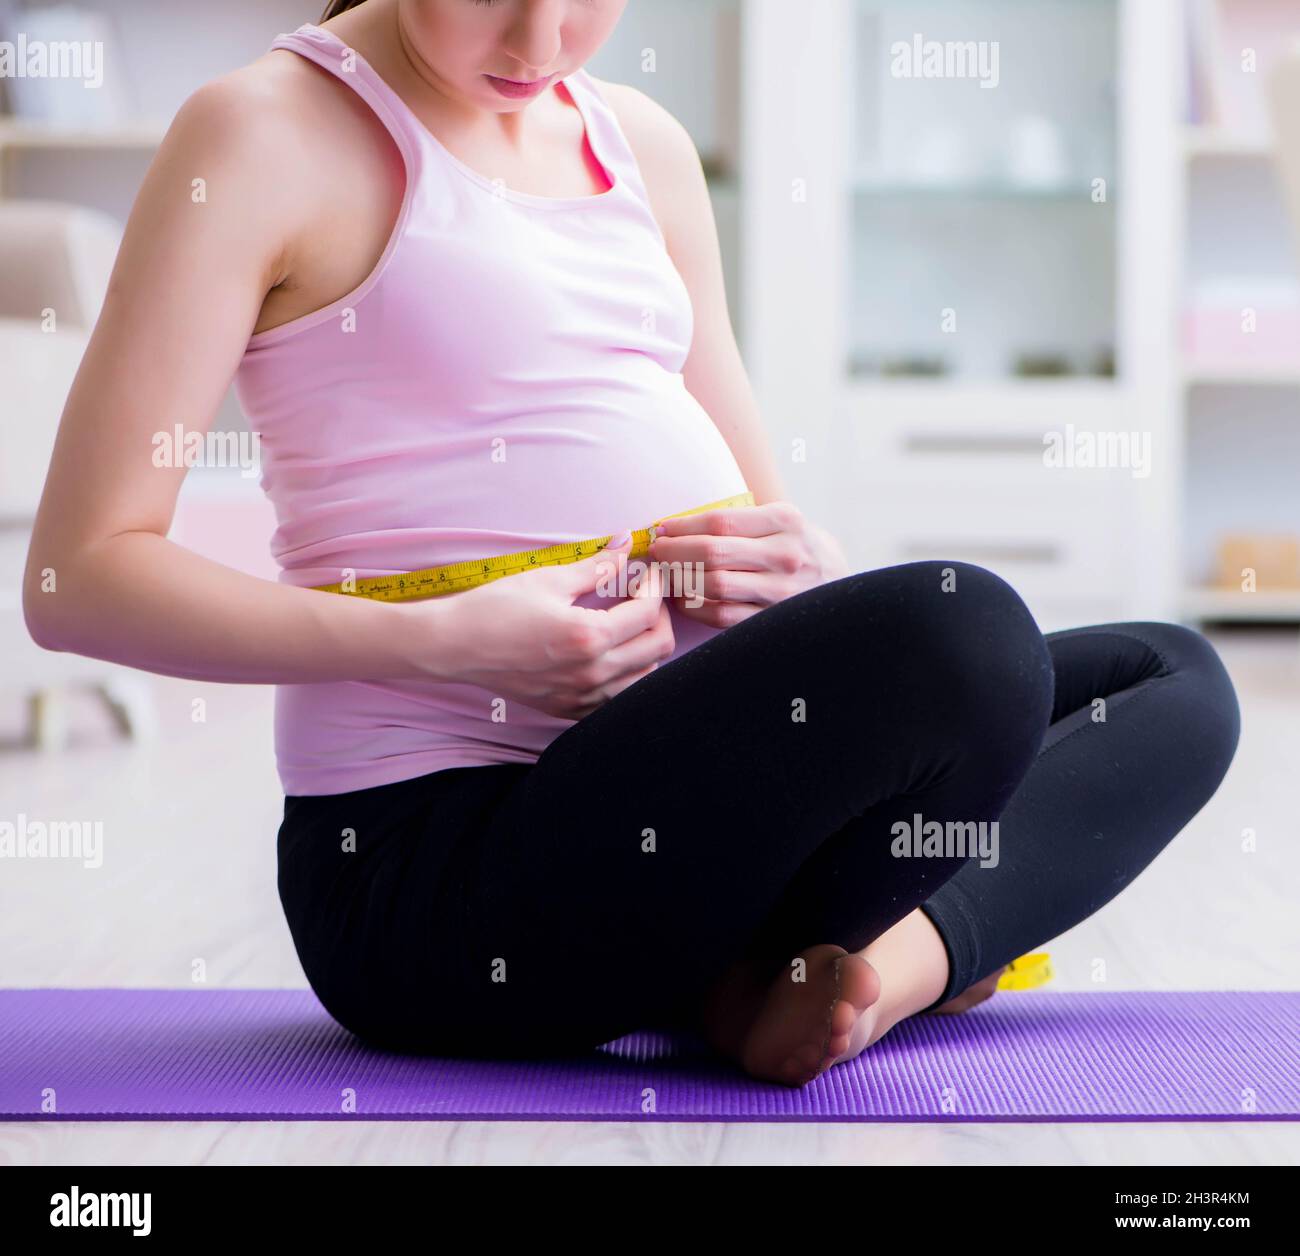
(471, 572)
(1027, 972)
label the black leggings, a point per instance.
(754, 797)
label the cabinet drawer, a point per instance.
(1063, 543)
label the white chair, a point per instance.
(55, 261)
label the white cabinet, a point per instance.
(940, 274)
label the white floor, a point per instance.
(188, 880)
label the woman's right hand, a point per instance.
(521, 636)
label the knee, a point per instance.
(980, 641)
(978, 627)
(1210, 713)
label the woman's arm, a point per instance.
(205, 241)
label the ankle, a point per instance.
(913, 965)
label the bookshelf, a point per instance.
(925, 442)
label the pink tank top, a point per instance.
(507, 377)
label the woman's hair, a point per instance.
(335, 7)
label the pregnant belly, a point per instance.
(552, 478)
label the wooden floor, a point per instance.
(189, 878)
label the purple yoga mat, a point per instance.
(275, 1054)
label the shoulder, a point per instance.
(649, 126)
(278, 125)
(654, 134)
(666, 156)
(228, 106)
(273, 113)
(264, 141)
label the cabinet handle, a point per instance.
(965, 443)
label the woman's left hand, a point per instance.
(741, 559)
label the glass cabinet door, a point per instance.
(982, 219)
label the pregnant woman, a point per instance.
(471, 298)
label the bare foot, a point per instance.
(804, 1026)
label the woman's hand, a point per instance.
(522, 638)
(750, 556)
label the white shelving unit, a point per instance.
(953, 466)
(1238, 409)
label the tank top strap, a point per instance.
(332, 54)
(606, 135)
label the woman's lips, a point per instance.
(516, 90)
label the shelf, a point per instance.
(1282, 606)
(36, 136)
(957, 390)
(1244, 376)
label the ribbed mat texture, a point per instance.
(276, 1055)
